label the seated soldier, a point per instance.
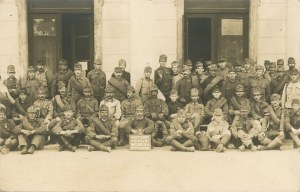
(8, 140)
(292, 122)
(218, 131)
(272, 133)
(23, 102)
(182, 134)
(31, 132)
(69, 131)
(143, 85)
(174, 104)
(87, 106)
(257, 107)
(102, 134)
(195, 110)
(244, 130)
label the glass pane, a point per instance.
(232, 27)
(44, 27)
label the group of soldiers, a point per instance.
(205, 106)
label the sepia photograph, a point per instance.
(149, 95)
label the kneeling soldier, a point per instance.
(69, 131)
(8, 140)
(182, 134)
(31, 132)
(218, 131)
(102, 134)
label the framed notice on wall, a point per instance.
(232, 27)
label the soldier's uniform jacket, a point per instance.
(76, 85)
(261, 84)
(243, 77)
(195, 107)
(228, 88)
(208, 84)
(223, 72)
(237, 103)
(114, 108)
(45, 78)
(174, 106)
(269, 76)
(87, 106)
(291, 91)
(292, 120)
(163, 83)
(186, 127)
(37, 124)
(129, 106)
(98, 82)
(218, 128)
(125, 75)
(60, 77)
(68, 124)
(184, 87)
(12, 83)
(273, 122)
(6, 129)
(100, 127)
(197, 81)
(60, 102)
(175, 79)
(45, 107)
(247, 125)
(143, 87)
(155, 105)
(120, 86)
(21, 108)
(277, 84)
(211, 105)
(146, 124)
(257, 109)
(32, 85)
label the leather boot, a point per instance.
(273, 144)
(179, 146)
(156, 143)
(99, 146)
(66, 144)
(122, 137)
(204, 142)
(31, 149)
(24, 150)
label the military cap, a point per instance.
(163, 57)
(294, 72)
(62, 62)
(87, 89)
(295, 101)
(256, 91)
(32, 109)
(280, 62)
(118, 70)
(130, 88)
(109, 90)
(173, 92)
(222, 60)
(103, 107)
(147, 69)
(291, 60)
(23, 90)
(11, 69)
(181, 112)
(68, 107)
(174, 63)
(280, 68)
(275, 96)
(259, 67)
(140, 108)
(247, 60)
(122, 61)
(98, 61)
(208, 62)
(42, 90)
(60, 85)
(31, 68)
(218, 112)
(185, 67)
(77, 66)
(267, 62)
(2, 108)
(272, 64)
(154, 88)
(188, 62)
(216, 89)
(194, 91)
(239, 87)
(199, 64)
(231, 70)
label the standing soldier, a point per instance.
(97, 78)
(259, 82)
(272, 73)
(184, 85)
(198, 77)
(45, 77)
(144, 85)
(210, 82)
(6, 99)
(102, 134)
(31, 83)
(163, 77)
(64, 74)
(176, 76)
(292, 122)
(291, 64)
(77, 83)
(223, 68)
(229, 84)
(124, 74)
(8, 140)
(291, 89)
(249, 68)
(12, 83)
(277, 84)
(69, 131)
(119, 84)
(31, 132)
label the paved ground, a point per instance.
(156, 170)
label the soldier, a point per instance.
(97, 78)
(277, 84)
(144, 85)
(12, 83)
(292, 122)
(211, 81)
(291, 64)
(272, 134)
(198, 77)
(44, 105)
(119, 84)
(244, 131)
(31, 132)
(218, 131)
(182, 134)
(45, 77)
(267, 65)
(69, 131)
(184, 86)
(6, 99)
(217, 102)
(223, 68)
(257, 107)
(272, 73)
(174, 104)
(124, 74)
(64, 74)
(31, 83)
(259, 82)
(114, 105)
(176, 76)
(189, 63)
(291, 89)
(102, 134)
(87, 106)
(249, 68)
(77, 82)
(8, 140)
(195, 110)
(163, 77)
(229, 84)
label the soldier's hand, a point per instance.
(179, 131)
(154, 115)
(240, 134)
(161, 115)
(159, 122)
(281, 133)
(173, 115)
(46, 121)
(57, 118)
(182, 100)
(62, 132)
(26, 132)
(134, 131)
(32, 132)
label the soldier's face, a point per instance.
(63, 68)
(23, 96)
(272, 69)
(216, 94)
(247, 66)
(194, 98)
(139, 114)
(62, 91)
(238, 68)
(130, 94)
(2, 116)
(122, 65)
(104, 115)
(87, 93)
(232, 75)
(244, 113)
(154, 93)
(148, 74)
(41, 95)
(11, 74)
(257, 97)
(109, 95)
(68, 114)
(118, 74)
(31, 116)
(259, 73)
(294, 78)
(31, 74)
(280, 73)
(239, 93)
(275, 103)
(77, 72)
(222, 65)
(213, 73)
(296, 107)
(41, 68)
(175, 69)
(162, 63)
(181, 118)
(199, 70)
(97, 66)
(218, 118)
(186, 73)
(174, 97)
